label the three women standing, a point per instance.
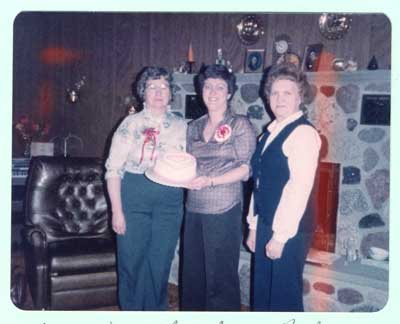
(147, 216)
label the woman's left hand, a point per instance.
(273, 249)
(199, 183)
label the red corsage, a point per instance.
(222, 133)
(150, 135)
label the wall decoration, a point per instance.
(334, 26)
(375, 110)
(289, 58)
(254, 61)
(190, 61)
(373, 64)
(74, 92)
(282, 45)
(250, 29)
(339, 64)
(222, 61)
(27, 131)
(312, 55)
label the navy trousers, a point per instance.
(153, 215)
(211, 248)
(278, 284)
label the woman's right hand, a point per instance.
(118, 223)
(251, 240)
(199, 183)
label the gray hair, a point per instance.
(150, 73)
(284, 71)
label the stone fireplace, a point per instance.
(351, 111)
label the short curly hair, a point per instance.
(284, 71)
(150, 73)
(216, 71)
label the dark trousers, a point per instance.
(211, 249)
(278, 284)
(153, 215)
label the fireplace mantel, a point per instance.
(321, 76)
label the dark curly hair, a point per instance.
(284, 71)
(150, 73)
(216, 71)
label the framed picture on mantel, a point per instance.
(254, 61)
(312, 56)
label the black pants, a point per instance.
(211, 248)
(278, 284)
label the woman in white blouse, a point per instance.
(281, 212)
(146, 216)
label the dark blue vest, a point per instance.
(271, 172)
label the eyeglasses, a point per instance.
(153, 87)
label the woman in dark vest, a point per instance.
(281, 217)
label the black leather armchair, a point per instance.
(69, 246)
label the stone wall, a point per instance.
(363, 152)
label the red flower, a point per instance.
(222, 133)
(30, 130)
(150, 135)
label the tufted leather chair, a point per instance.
(69, 247)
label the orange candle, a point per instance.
(190, 57)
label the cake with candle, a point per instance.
(174, 169)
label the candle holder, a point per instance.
(190, 67)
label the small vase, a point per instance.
(27, 149)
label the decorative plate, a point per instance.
(250, 30)
(334, 26)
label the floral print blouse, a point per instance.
(140, 138)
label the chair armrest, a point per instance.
(36, 237)
(36, 260)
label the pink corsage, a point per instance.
(222, 133)
(150, 135)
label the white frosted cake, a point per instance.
(173, 169)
